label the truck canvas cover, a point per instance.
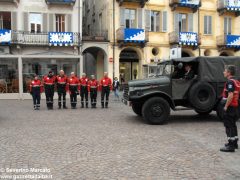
(210, 69)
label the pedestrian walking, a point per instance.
(84, 90)
(230, 97)
(49, 84)
(106, 87)
(116, 85)
(73, 82)
(36, 88)
(62, 86)
(92, 89)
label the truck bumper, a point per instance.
(126, 102)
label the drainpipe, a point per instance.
(114, 38)
(199, 49)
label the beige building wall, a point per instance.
(160, 40)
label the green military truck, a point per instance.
(153, 98)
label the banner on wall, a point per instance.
(134, 35)
(233, 5)
(5, 36)
(233, 41)
(192, 2)
(188, 38)
(60, 38)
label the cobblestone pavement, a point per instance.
(112, 144)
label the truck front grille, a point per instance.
(126, 91)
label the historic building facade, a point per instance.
(143, 32)
(37, 36)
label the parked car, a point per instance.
(153, 98)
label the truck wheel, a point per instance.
(137, 108)
(156, 110)
(203, 113)
(202, 96)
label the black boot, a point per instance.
(106, 105)
(102, 105)
(229, 147)
(82, 105)
(86, 105)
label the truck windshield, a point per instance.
(164, 70)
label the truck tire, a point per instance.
(137, 108)
(156, 110)
(202, 96)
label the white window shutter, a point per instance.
(176, 23)
(140, 18)
(122, 17)
(164, 21)
(190, 22)
(147, 20)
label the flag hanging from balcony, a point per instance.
(5, 36)
(233, 5)
(134, 35)
(60, 38)
(233, 41)
(188, 38)
(190, 3)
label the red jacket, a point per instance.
(49, 80)
(73, 82)
(234, 102)
(106, 81)
(93, 84)
(36, 85)
(83, 81)
(62, 81)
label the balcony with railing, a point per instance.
(185, 38)
(5, 37)
(229, 41)
(95, 35)
(141, 2)
(64, 2)
(45, 39)
(192, 4)
(228, 6)
(10, 1)
(132, 36)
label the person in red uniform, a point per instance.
(36, 88)
(93, 88)
(73, 82)
(49, 84)
(230, 99)
(84, 90)
(105, 86)
(62, 85)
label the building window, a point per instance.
(5, 20)
(35, 21)
(60, 23)
(155, 21)
(41, 67)
(208, 25)
(9, 82)
(182, 22)
(227, 25)
(130, 18)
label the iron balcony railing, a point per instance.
(141, 2)
(185, 39)
(193, 4)
(69, 2)
(37, 39)
(229, 5)
(95, 35)
(10, 1)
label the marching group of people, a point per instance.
(74, 86)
